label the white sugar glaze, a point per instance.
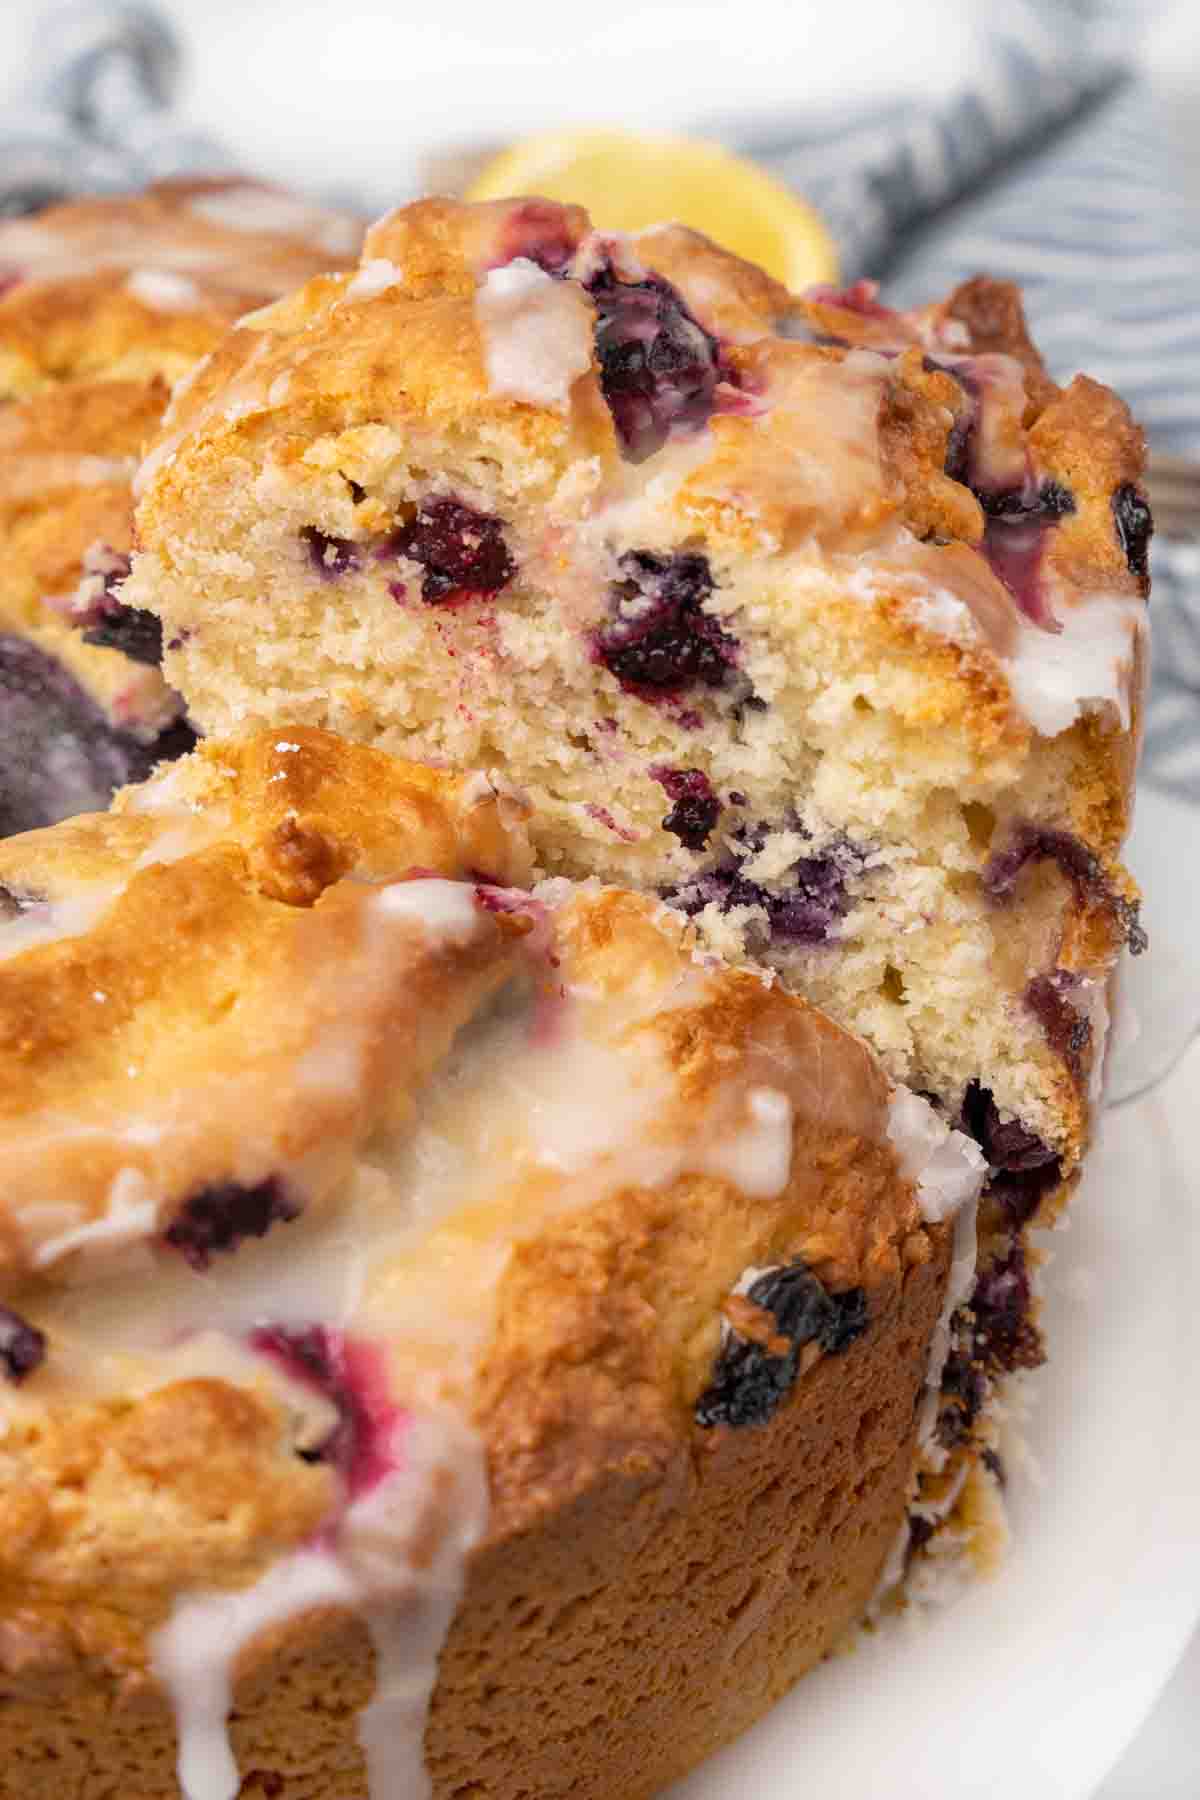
(947, 1166)
(164, 290)
(530, 1113)
(49, 921)
(1057, 677)
(537, 334)
(377, 1564)
(374, 277)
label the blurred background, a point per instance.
(1056, 142)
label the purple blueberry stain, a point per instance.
(1005, 1336)
(537, 230)
(351, 1374)
(659, 368)
(803, 906)
(462, 552)
(1082, 867)
(216, 1219)
(751, 1381)
(964, 1387)
(1016, 533)
(659, 641)
(1024, 1169)
(61, 755)
(1017, 519)
(22, 1346)
(108, 622)
(1134, 525)
(331, 557)
(1050, 998)
(696, 808)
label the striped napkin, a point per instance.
(1046, 164)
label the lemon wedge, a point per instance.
(629, 180)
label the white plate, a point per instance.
(1032, 1685)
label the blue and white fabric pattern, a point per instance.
(1046, 155)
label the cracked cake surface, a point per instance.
(573, 1189)
(817, 619)
(331, 1298)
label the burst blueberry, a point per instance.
(331, 557)
(462, 552)
(1005, 1335)
(696, 808)
(351, 1376)
(1081, 866)
(750, 1381)
(661, 641)
(802, 907)
(659, 368)
(22, 1346)
(1134, 523)
(1024, 1167)
(217, 1219)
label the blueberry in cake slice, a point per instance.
(823, 622)
(453, 1337)
(103, 303)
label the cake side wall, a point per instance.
(600, 1652)
(609, 1649)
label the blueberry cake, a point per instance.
(457, 1336)
(103, 303)
(138, 285)
(822, 622)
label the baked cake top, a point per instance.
(311, 1119)
(923, 464)
(143, 284)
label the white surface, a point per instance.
(352, 97)
(276, 76)
(1163, 1761)
(1032, 1685)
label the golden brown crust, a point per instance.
(418, 364)
(732, 298)
(994, 316)
(144, 284)
(304, 382)
(221, 899)
(699, 1581)
(628, 1522)
(103, 303)
(440, 246)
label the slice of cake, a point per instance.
(453, 1339)
(823, 622)
(102, 304)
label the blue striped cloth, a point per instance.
(1046, 164)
